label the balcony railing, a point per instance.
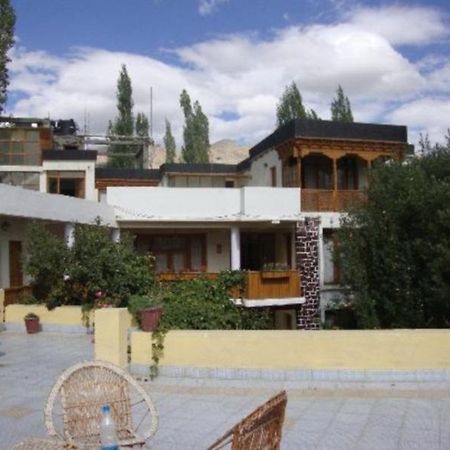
(259, 285)
(329, 201)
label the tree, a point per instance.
(195, 131)
(94, 264)
(395, 248)
(341, 110)
(291, 107)
(169, 144)
(7, 24)
(122, 155)
(142, 125)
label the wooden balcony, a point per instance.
(259, 285)
(320, 200)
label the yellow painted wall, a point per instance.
(62, 315)
(285, 349)
(111, 333)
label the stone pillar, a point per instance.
(115, 235)
(69, 234)
(307, 252)
(111, 328)
(235, 248)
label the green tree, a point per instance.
(142, 125)
(395, 248)
(123, 155)
(341, 110)
(169, 144)
(7, 23)
(94, 264)
(291, 107)
(195, 131)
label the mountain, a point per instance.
(225, 151)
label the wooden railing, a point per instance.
(328, 200)
(279, 284)
(259, 285)
(15, 294)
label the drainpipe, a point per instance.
(235, 248)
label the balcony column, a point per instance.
(69, 234)
(115, 235)
(235, 248)
(335, 183)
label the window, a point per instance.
(290, 173)
(317, 172)
(229, 183)
(20, 147)
(66, 183)
(27, 180)
(273, 176)
(179, 253)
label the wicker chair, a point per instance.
(260, 430)
(73, 414)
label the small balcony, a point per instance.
(322, 200)
(271, 287)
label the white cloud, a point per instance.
(239, 74)
(206, 7)
(402, 24)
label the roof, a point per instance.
(20, 202)
(205, 168)
(327, 129)
(133, 174)
(69, 155)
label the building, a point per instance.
(273, 214)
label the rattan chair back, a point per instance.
(260, 430)
(83, 389)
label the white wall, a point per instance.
(88, 167)
(216, 261)
(260, 169)
(154, 204)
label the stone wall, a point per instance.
(307, 254)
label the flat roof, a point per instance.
(327, 129)
(69, 155)
(129, 174)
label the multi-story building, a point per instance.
(272, 215)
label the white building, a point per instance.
(273, 214)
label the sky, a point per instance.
(235, 57)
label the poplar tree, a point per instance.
(122, 155)
(195, 131)
(169, 144)
(291, 107)
(142, 125)
(7, 23)
(341, 110)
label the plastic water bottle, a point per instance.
(108, 435)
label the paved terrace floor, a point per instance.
(193, 413)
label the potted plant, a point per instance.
(145, 313)
(275, 270)
(32, 323)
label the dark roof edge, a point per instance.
(69, 155)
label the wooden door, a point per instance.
(15, 264)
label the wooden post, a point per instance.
(335, 184)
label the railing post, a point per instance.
(69, 234)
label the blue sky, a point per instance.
(235, 57)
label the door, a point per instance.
(15, 264)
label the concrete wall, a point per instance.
(260, 169)
(63, 318)
(88, 167)
(284, 349)
(156, 204)
(218, 240)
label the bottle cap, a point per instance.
(106, 409)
